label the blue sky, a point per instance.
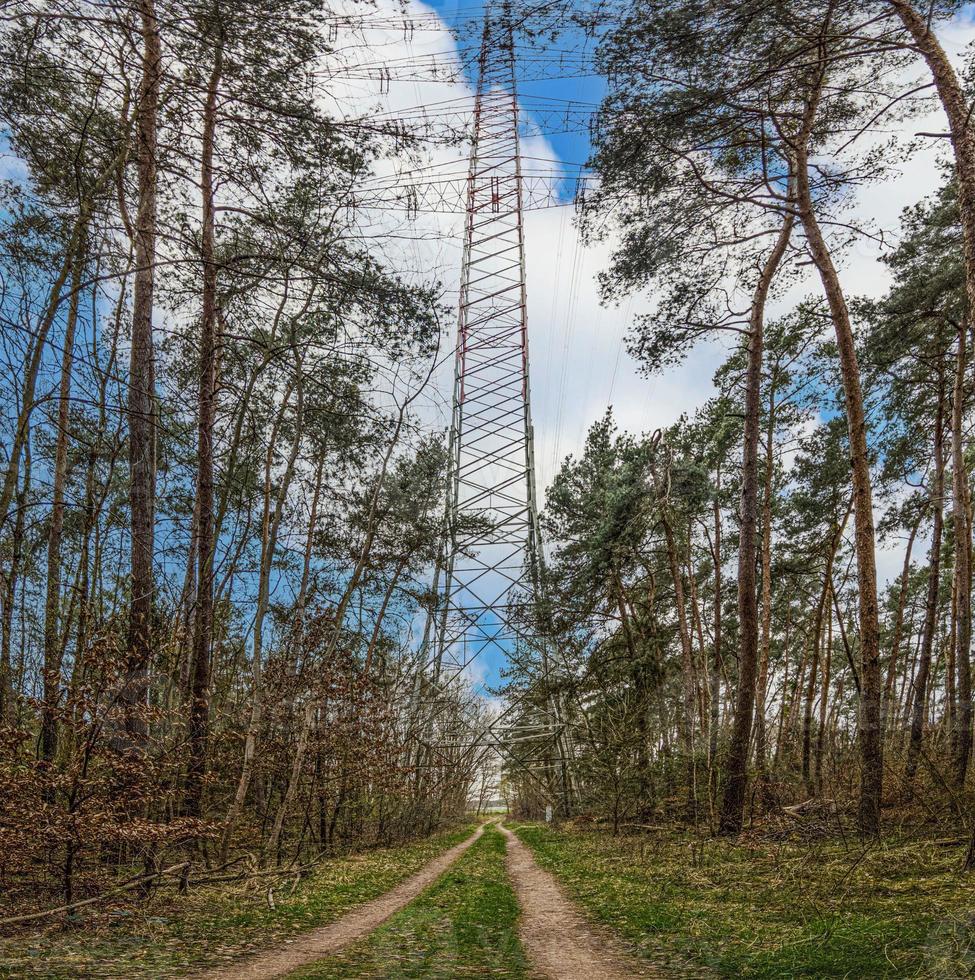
(572, 147)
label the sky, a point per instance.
(579, 364)
(578, 361)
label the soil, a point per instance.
(557, 939)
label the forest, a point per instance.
(738, 708)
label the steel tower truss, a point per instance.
(488, 582)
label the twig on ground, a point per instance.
(128, 886)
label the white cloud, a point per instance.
(578, 361)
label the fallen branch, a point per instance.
(812, 807)
(250, 875)
(246, 856)
(135, 883)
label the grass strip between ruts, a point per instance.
(463, 925)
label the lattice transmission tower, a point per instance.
(489, 579)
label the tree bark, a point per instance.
(962, 729)
(7, 695)
(809, 697)
(736, 764)
(199, 716)
(951, 703)
(817, 632)
(871, 742)
(686, 725)
(931, 601)
(896, 641)
(765, 641)
(32, 368)
(52, 601)
(294, 777)
(381, 614)
(270, 526)
(824, 702)
(141, 405)
(717, 660)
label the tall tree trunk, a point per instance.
(187, 606)
(52, 601)
(931, 602)
(951, 703)
(142, 384)
(765, 641)
(7, 698)
(897, 640)
(871, 742)
(270, 526)
(84, 577)
(301, 600)
(784, 701)
(736, 764)
(199, 717)
(817, 632)
(824, 703)
(701, 690)
(717, 659)
(373, 520)
(962, 730)
(810, 693)
(94, 499)
(686, 718)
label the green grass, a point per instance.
(464, 925)
(168, 935)
(767, 910)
